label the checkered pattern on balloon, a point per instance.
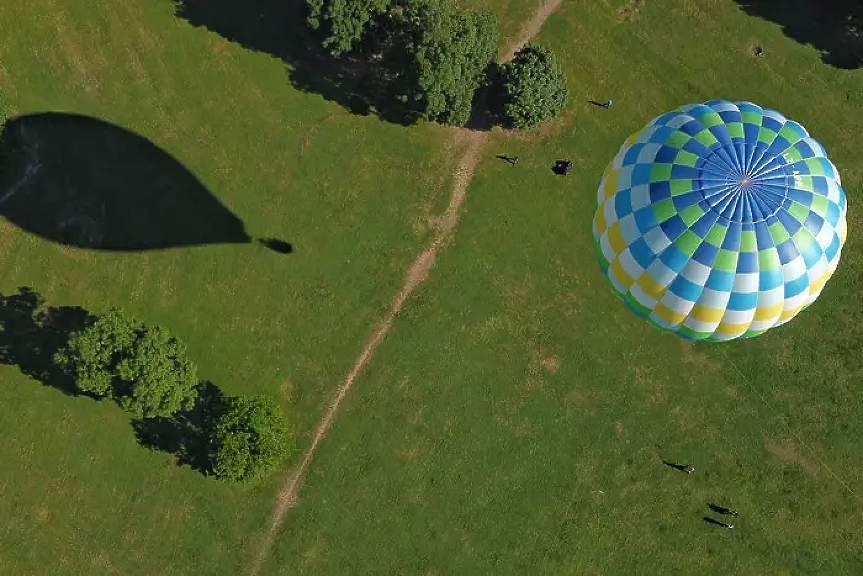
(720, 220)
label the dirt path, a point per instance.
(445, 225)
(531, 28)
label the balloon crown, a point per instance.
(720, 220)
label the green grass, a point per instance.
(350, 193)
(515, 418)
(460, 451)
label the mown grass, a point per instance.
(516, 418)
(350, 193)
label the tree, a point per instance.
(143, 368)
(250, 438)
(530, 88)
(344, 23)
(451, 52)
(91, 354)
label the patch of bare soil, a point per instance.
(629, 11)
(783, 450)
(551, 364)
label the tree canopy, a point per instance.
(452, 51)
(143, 368)
(431, 54)
(249, 438)
(530, 88)
(343, 23)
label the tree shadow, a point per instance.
(186, 434)
(834, 27)
(30, 335)
(90, 184)
(362, 82)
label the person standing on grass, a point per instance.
(608, 104)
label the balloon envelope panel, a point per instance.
(720, 220)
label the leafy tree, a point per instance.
(451, 51)
(530, 88)
(250, 438)
(143, 368)
(91, 354)
(343, 23)
(157, 378)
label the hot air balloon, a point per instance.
(720, 220)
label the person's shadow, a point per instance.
(87, 183)
(713, 521)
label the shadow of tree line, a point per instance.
(834, 27)
(31, 333)
(362, 81)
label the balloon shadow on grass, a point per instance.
(362, 82)
(31, 333)
(186, 434)
(87, 183)
(834, 27)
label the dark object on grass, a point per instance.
(87, 183)
(511, 159)
(723, 510)
(682, 467)
(710, 520)
(757, 51)
(606, 104)
(277, 245)
(562, 167)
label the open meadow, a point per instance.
(515, 417)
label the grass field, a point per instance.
(515, 418)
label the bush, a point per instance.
(342, 24)
(451, 53)
(143, 368)
(250, 438)
(529, 89)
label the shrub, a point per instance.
(451, 51)
(250, 438)
(143, 368)
(530, 88)
(342, 24)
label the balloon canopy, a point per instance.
(720, 220)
